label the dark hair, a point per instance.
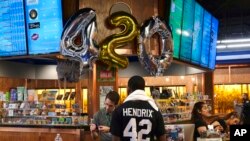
(196, 111)
(136, 82)
(245, 98)
(113, 96)
(231, 115)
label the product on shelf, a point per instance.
(175, 110)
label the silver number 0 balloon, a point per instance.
(155, 65)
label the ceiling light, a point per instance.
(234, 40)
(233, 57)
(167, 79)
(238, 45)
(221, 46)
(193, 79)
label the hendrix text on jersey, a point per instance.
(137, 112)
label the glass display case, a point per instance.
(175, 110)
(177, 91)
(179, 109)
(41, 113)
(43, 107)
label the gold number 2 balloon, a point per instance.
(128, 33)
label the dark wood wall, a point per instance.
(141, 10)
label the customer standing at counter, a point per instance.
(138, 118)
(102, 118)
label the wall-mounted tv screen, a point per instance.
(175, 22)
(205, 39)
(12, 28)
(213, 42)
(187, 30)
(44, 25)
(194, 32)
(197, 34)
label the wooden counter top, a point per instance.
(58, 126)
(11, 132)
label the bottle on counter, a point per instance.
(58, 137)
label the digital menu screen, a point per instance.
(197, 34)
(44, 26)
(12, 28)
(213, 42)
(205, 51)
(175, 22)
(187, 30)
(194, 33)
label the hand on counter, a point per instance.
(101, 128)
(93, 131)
(93, 127)
(104, 129)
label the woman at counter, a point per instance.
(201, 117)
(199, 114)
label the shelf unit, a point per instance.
(39, 115)
(175, 110)
(42, 107)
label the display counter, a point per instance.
(180, 131)
(10, 132)
(209, 139)
(41, 115)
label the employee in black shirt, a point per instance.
(138, 118)
(200, 117)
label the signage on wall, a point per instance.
(104, 75)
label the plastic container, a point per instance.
(58, 137)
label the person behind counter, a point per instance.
(138, 118)
(245, 113)
(200, 117)
(245, 98)
(243, 109)
(102, 118)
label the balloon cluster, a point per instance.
(77, 41)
